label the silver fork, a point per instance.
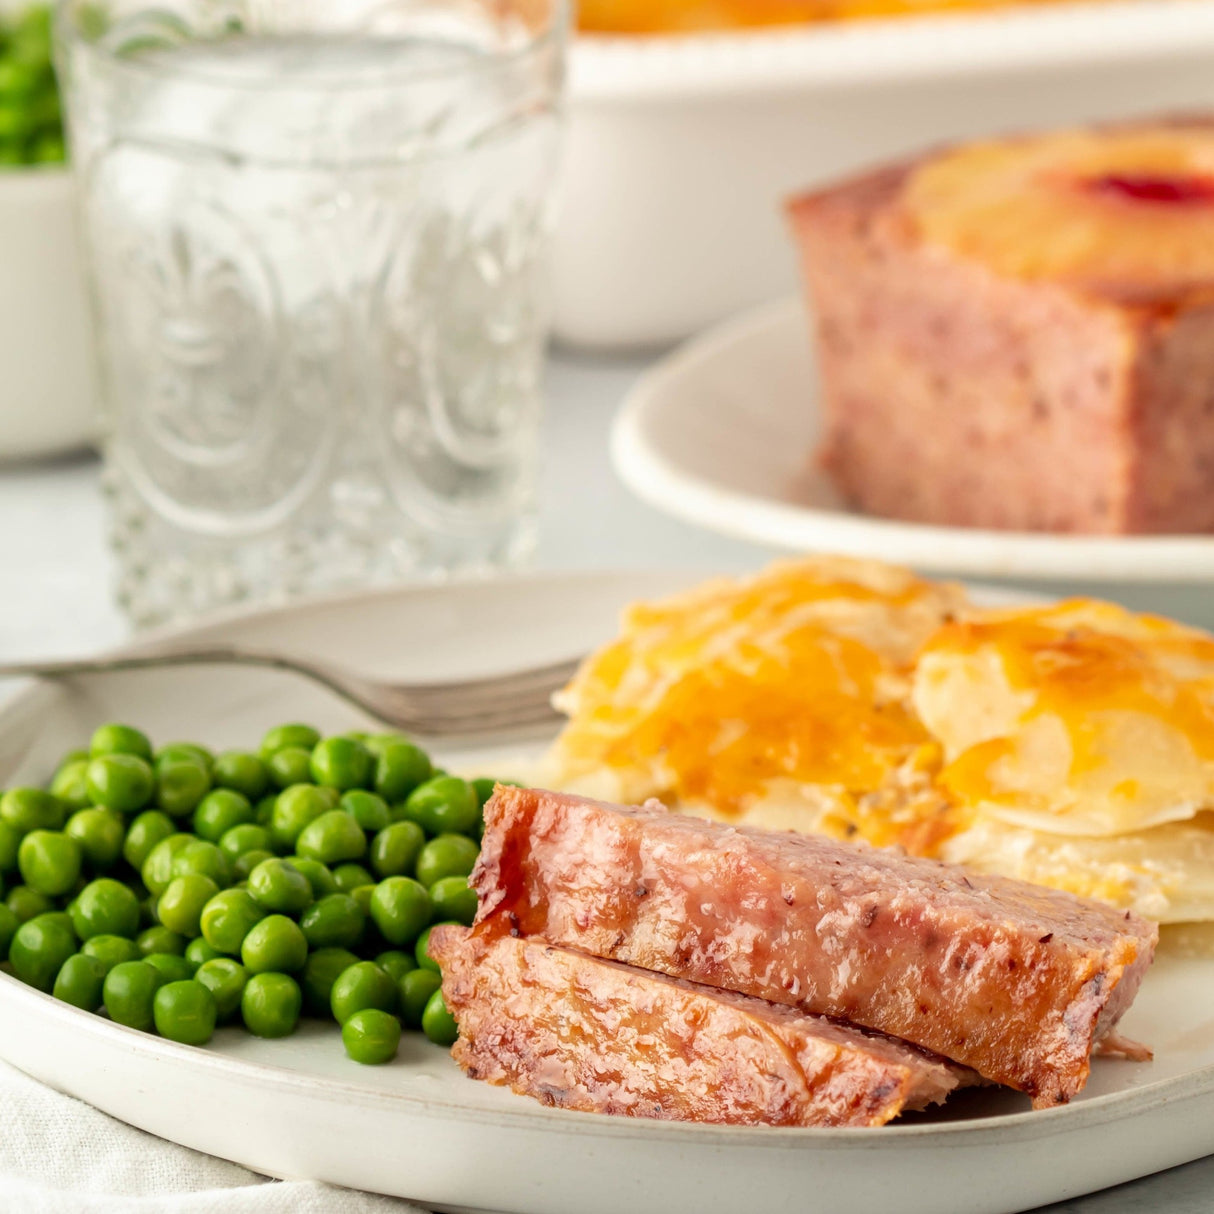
(509, 702)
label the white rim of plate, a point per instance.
(657, 478)
(615, 68)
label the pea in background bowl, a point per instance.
(47, 400)
(681, 149)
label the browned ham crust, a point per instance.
(1016, 981)
(596, 1036)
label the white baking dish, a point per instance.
(682, 148)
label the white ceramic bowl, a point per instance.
(47, 402)
(681, 149)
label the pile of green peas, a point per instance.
(31, 119)
(178, 889)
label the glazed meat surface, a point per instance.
(1016, 981)
(596, 1036)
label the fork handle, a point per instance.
(201, 656)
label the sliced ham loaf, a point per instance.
(596, 1036)
(1017, 981)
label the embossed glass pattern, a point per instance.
(316, 234)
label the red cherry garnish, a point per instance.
(1145, 187)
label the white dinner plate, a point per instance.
(722, 434)
(417, 1128)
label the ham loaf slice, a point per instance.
(596, 1036)
(1017, 981)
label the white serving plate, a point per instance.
(682, 148)
(417, 1128)
(722, 434)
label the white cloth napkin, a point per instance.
(60, 1156)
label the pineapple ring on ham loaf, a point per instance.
(1069, 745)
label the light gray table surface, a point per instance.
(55, 593)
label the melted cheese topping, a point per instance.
(1078, 719)
(795, 677)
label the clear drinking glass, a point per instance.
(316, 235)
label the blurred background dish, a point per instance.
(721, 434)
(46, 401)
(682, 148)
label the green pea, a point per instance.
(243, 772)
(71, 785)
(342, 763)
(120, 740)
(334, 922)
(73, 756)
(185, 1011)
(204, 858)
(148, 829)
(105, 908)
(395, 964)
(79, 982)
(180, 906)
(361, 986)
(275, 944)
(350, 876)
(270, 1005)
(159, 939)
(453, 900)
(333, 838)
(110, 950)
(248, 862)
(437, 1023)
(416, 989)
(394, 851)
(446, 856)
(320, 972)
(10, 841)
(283, 737)
(27, 903)
(362, 894)
(129, 994)
(371, 1036)
(444, 805)
(295, 808)
(399, 768)
(400, 908)
(244, 837)
(483, 787)
(219, 811)
(319, 877)
(157, 868)
(100, 834)
(49, 862)
(26, 809)
(181, 786)
(39, 948)
(8, 929)
(121, 781)
(263, 811)
(198, 952)
(422, 950)
(277, 885)
(289, 767)
(184, 752)
(228, 918)
(226, 980)
(174, 968)
(369, 811)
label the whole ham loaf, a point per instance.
(1019, 333)
(596, 1036)
(1017, 981)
